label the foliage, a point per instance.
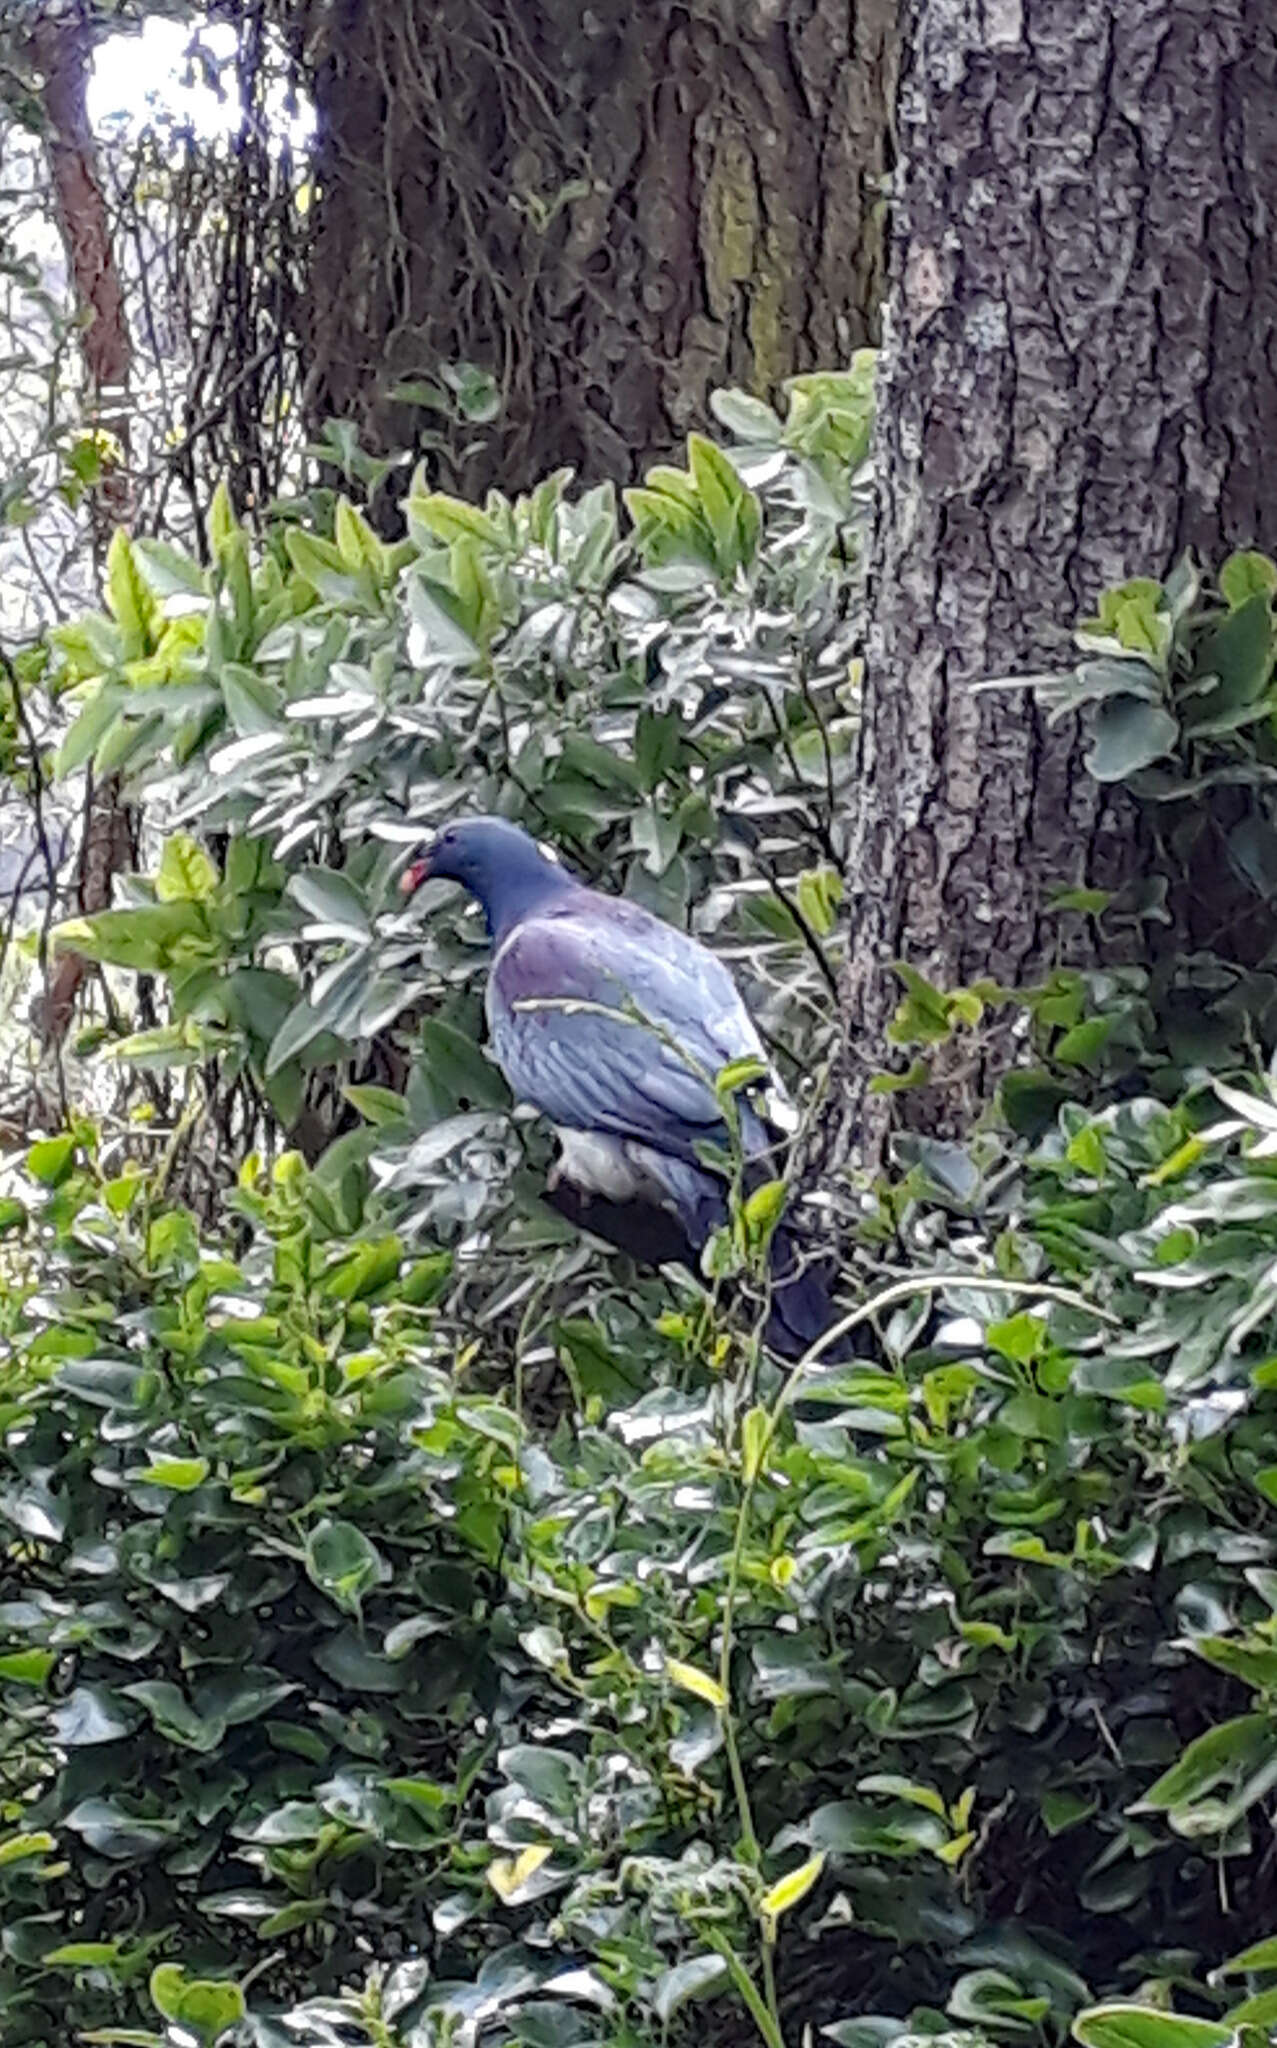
(938, 1686)
(402, 1644)
(673, 708)
(1177, 681)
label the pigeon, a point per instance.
(614, 1025)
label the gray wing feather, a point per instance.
(649, 1080)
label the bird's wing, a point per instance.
(647, 1076)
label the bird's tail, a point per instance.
(802, 1305)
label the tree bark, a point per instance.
(1078, 383)
(612, 210)
(62, 50)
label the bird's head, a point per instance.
(499, 863)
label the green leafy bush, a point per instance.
(937, 1687)
(676, 707)
(403, 1640)
(1178, 682)
(673, 707)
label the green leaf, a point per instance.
(915, 1075)
(300, 1028)
(658, 738)
(763, 1210)
(1031, 1100)
(201, 2007)
(91, 645)
(424, 1796)
(174, 1717)
(475, 390)
(458, 1075)
(588, 757)
(364, 1271)
(34, 1508)
(721, 492)
(1139, 2026)
(819, 893)
(702, 1976)
(1234, 1752)
(1133, 613)
(380, 1106)
(667, 530)
(253, 703)
(22, 1847)
(146, 939)
(1063, 1810)
(1256, 2012)
(1245, 575)
(90, 1715)
(1261, 1955)
(738, 1074)
(344, 1564)
(435, 615)
(221, 527)
(754, 1436)
(332, 899)
(1253, 1661)
(1083, 1045)
(26, 1667)
(1130, 734)
(903, 1788)
(357, 544)
(321, 564)
(175, 1475)
(926, 1016)
(450, 518)
(789, 1891)
(123, 2037)
(127, 740)
(511, 1877)
(170, 1045)
(1089, 902)
(691, 1680)
(84, 1955)
(993, 1998)
(748, 418)
(168, 570)
(1240, 653)
(95, 719)
(185, 874)
(131, 603)
(50, 1159)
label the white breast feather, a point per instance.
(597, 1164)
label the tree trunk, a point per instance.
(611, 210)
(62, 50)
(1078, 384)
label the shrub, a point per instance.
(675, 707)
(672, 707)
(938, 1686)
(361, 1684)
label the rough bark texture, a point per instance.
(62, 50)
(1078, 382)
(612, 209)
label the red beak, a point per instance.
(414, 875)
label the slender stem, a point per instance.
(766, 2021)
(769, 1978)
(749, 1838)
(935, 1283)
(766, 2012)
